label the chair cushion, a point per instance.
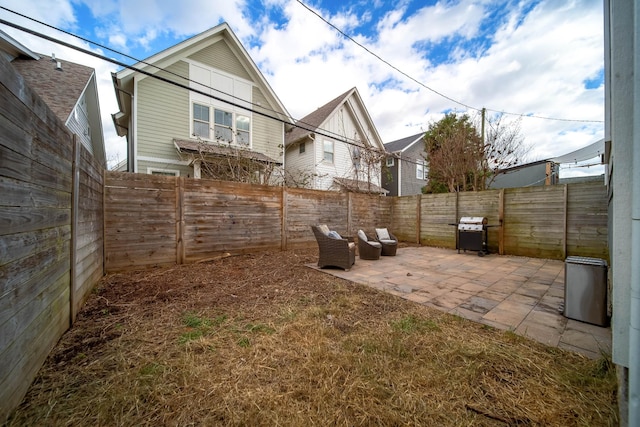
(352, 245)
(362, 235)
(375, 244)
(334, 234)
(388, 242)
(383, 234)
(324, 228)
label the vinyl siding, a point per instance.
(268, 134)
(341, 123)
(220, 56)
(78, 123)
(410, 184)
(163, 114)
(300, 165)
(185, 171)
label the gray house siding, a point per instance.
(535, 174)
(402, 179)
(390, 178)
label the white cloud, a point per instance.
(535, 63)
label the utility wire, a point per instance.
(139, 61)
(299, 124)
(429, 88)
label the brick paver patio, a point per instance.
(524, 295)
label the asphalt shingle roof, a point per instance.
(59, 89)
(401, 144)
(314, 120)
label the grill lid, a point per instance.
(473, 220)
(469, 227)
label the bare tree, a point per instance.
(504, 146)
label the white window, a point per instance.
(214, 119)
(223, 126)
(201, 120)
(328, 151)
(302, 148)
(421, 169)
(242, 129)
(166, 172)
(390, 161)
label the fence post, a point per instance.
(565, 221)
(75, 201)
(501, 222)
(349, 232)
(283, 214)
(418, 218)
(180, 249)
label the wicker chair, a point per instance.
(389, 243)
(334, 252)
(368, 249)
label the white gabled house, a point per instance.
(336, 147)
(209, 104)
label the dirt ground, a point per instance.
(264, 340)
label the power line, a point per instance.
(299, 123)
(430, 88)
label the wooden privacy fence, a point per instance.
(51, 233)
(157, 220)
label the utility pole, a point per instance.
(482, 126)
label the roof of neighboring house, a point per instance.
(312, 121)
(59, 88)
(359, 186)
(203, 148)
(403, 144)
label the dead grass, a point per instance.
(263, 340)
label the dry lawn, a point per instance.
(262, 340)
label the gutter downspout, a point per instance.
(634, 312)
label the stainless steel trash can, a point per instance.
(585, 290)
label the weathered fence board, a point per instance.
(226, 217)
(305, 208)
(405, 214)
(437, 212)
(41, 182)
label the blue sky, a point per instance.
(535, 58)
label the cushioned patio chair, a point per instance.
(389, 241)
(334, 251)
(368, 249)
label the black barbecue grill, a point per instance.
(472, 234)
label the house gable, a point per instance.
(343, 131)
(408, 154)
(225, 83)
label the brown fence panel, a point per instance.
(368, 212)
(35, 233)
(482, 204)
(437, 212)
(230, 217)
(304, 208)
(140, 220)
(534, 221)
(587, 220)
(405, 218)
(89, 227)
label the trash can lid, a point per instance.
(586, 261)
